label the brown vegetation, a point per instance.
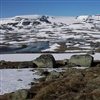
(76, 84)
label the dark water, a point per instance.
(31, 47)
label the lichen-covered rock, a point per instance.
(26, 64)
(41, 79)
(42, 72)
(2, 62)
(65, 61)
(39, 72)
(20, 95)
(45, 61)
(53, 75)
(81, 60)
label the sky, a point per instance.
(11, 8)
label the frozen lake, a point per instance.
(29, 56)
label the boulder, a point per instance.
(45, 61)
(81, 60)
(20, 95)
(39, 72)
(2, 62)
(65, 61)
(41, 79)
(53, 75)
(26, 64)
(42, 72)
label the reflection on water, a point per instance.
(30, 47)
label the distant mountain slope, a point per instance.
(22, 30)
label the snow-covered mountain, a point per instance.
(24, 31)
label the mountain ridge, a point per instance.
(22, 30)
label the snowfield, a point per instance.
(29, 57)
(17, 33)
(14, 79)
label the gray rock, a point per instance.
(65, 61)
(32, 83)
(71, 64)
(53, 75)
(42, 79)
(98, 65)
(79, 74)
(42, 72)
(45, 61)
(81, 60)
(20, 95)
(19, 80)
(39, 72)
(26, 64)
(2, 62)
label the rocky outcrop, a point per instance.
(74, 84)
(13, 24)
(44, 19)
(36, 23)
(26, 23)
(45, 61)
(81, 60)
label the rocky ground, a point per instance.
(59, 64)
(72, 84)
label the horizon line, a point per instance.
(50, 15)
